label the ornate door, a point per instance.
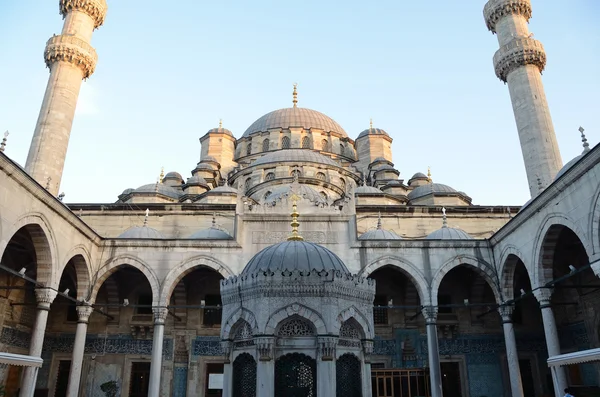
(296, 376)
(244, 376)
(347, 376)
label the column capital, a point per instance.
(84, 312)
(543, 296)
(520, 51)
(327, 346)
(44, 297)
(95, 9)
(506, 312)
(367, 345)
(71, 49)
(264, 347)
(430, 314)
(495, 10)
(160, 315)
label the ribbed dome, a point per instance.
(295, 255)
(372, 131)
(211, 233)
(141, 232)
(364, 189)
(296, 156)
(163, 189)
(429, 188)
(295, 117)
(449, 233)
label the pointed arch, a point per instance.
(265, 145)
(509, 258)
(299, 310)
(546, 240)
(407, 268)
(306, 142)
(354, 313)
(241, 314)
(483, 268)
(187, 266)
(112, 265)
(44, 242)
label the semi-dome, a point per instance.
(295, 255)
(158, 188)
(142, 232)
(372, 131)
(295, 117)
(296, 156)
(430, 188)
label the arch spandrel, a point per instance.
(356, 315)
(176, 274)
(544, 247)
(509, 258)
(483, 268)
(240, 314)
(410, 270)
(114, 264)
(299, 310)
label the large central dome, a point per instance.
(295, 117)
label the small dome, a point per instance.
(380, 160)
(212, 233)
(567, 166)
(372, 131)
(419, 175)
(379, 234)
(160, 188)
(449, 233)
(205, 167)
(173, 175)
(142, 232)
(295, 255)
(384, 167)
(296, 156)
(430, 188)
(224, 189)
(127, 191)
(364, 189)
(219, 130)
(304, 191)
(294, 117)
(197, 180)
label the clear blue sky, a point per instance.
(167, 73)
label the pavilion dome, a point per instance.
(142, 232)
(430, 188)
(372, 131)
(295, 255)
(295, 117)
(219, 130)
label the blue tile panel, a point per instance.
(207, 346)
(180, 381)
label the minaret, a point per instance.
(519, 62)
(71, 59)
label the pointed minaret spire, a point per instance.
(295, 95)
(444, 219)
(295, 236)
(586, 145)
(379, 221)
(3, 144)
(146, 217)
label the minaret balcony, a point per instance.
(73, 50)
(519, 52)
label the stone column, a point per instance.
(44, 298)
(226, 346)
(83, 313)
(160, 315)
(435, 376)
(265, 367)
(512, 356)
(366, 368)
(559, 376)
(326, 381)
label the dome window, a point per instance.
(285, 142)
(249, 148)
(324, 145)
(265, 145)
(323, 195)
(270, 176)
(320, 176)
(296, 174)
(342, 183)
(247, 184)
(341, 149)
(305, 142)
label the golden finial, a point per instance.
(429, 175)
(295, 236)
(220, 123)
(371, 124)
(162, 174)
(295, 94)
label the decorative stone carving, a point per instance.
(495, 10)
(430, 314)
(264, 347)
(277, 237)
(96, 9)
(295, 327)
(368, 348)
(44, 298)
(327, 345)
(543, 296)
(519, 52)
(160, 314)
(83, 313)
(73, 50)
(226, 347)
(506, 313)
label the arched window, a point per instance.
(323, 195)
(249, 148)
(324, 145)
(247, 184)
(341, 149)
(320, 176)
(342, 183)
(285, 142)
(348, 376)
(306, 142)
(270, 176)
(244, 376)
(295, 326)
(296, 174)
(265, 145)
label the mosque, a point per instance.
(295, 261)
